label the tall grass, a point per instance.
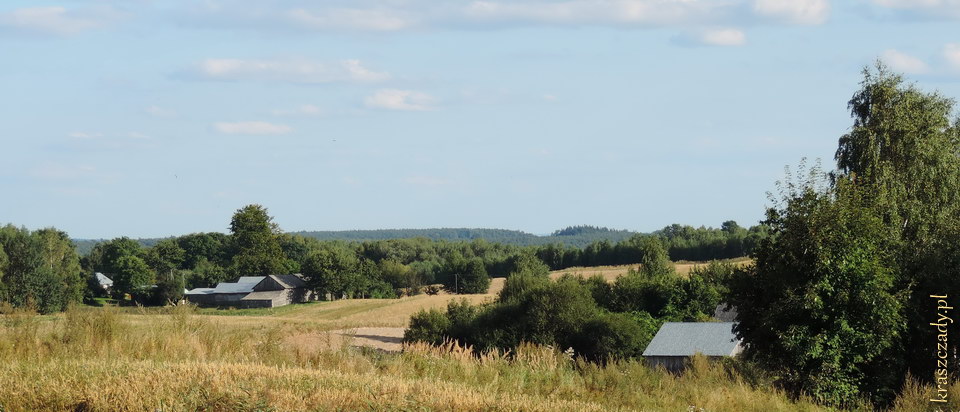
(101, 359)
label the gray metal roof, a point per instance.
(250, 279)
(199, 291)
(245, 287)
(289, 281)
(104, 281)
(688, 338)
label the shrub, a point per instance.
(427, 326)
(611, 336)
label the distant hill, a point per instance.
(577, 236)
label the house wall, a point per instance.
(670, 363)
(267, 284)
(673, 363)
(260, 303)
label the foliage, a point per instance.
(133, 276)
(429, 326)
(256, 243)
(40, 269)
(820, 303)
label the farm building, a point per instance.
(254, 292)
(675, 342)
(105, 283)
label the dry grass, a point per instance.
(610, 273)
(174, 359)
(101, 359)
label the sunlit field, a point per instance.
(176, 359)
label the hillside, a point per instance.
(577, 236)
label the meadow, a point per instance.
(183, 358)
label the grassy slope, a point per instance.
(286, 359)
(104, 359)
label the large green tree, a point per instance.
(332, 270)
(42, 269)
(906, 146)
(839, 299)
(820, 306)
(255, 239)
(133, 275)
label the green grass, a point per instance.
(259, 311)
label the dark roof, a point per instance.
(246, 284)
(289, 281)
(688, 338)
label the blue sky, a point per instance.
(158, 118)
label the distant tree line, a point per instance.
(379, 269)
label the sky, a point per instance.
(159, 118)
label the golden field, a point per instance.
(300, 358)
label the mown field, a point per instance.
(298, 358)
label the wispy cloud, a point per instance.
(58, 21)
(290, 70)
(157, 111)
(394, 99)
(252, 128)
(794, 11)
(904, 62)
(376, 19)
(392, 15)
(927, 9)
(85, 135)
(303, 110)
(951, 53)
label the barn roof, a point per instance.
(688, 338)
(104, 281)
(289, 281)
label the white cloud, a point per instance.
(904, 62)
(157, 111)
(723, 37)
(642, 12)
(794, 11)
(295, 71)
(56, 20)
(936, 9)
(951, 53)
(303, 110)
(377, 19)
(394, 99)
(253, 128)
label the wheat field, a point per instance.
(105, 359)
(303, 357)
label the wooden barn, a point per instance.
(676, 342)
(254, 292)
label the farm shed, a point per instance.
(105, 283)
(254, 292)
(675, 342)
